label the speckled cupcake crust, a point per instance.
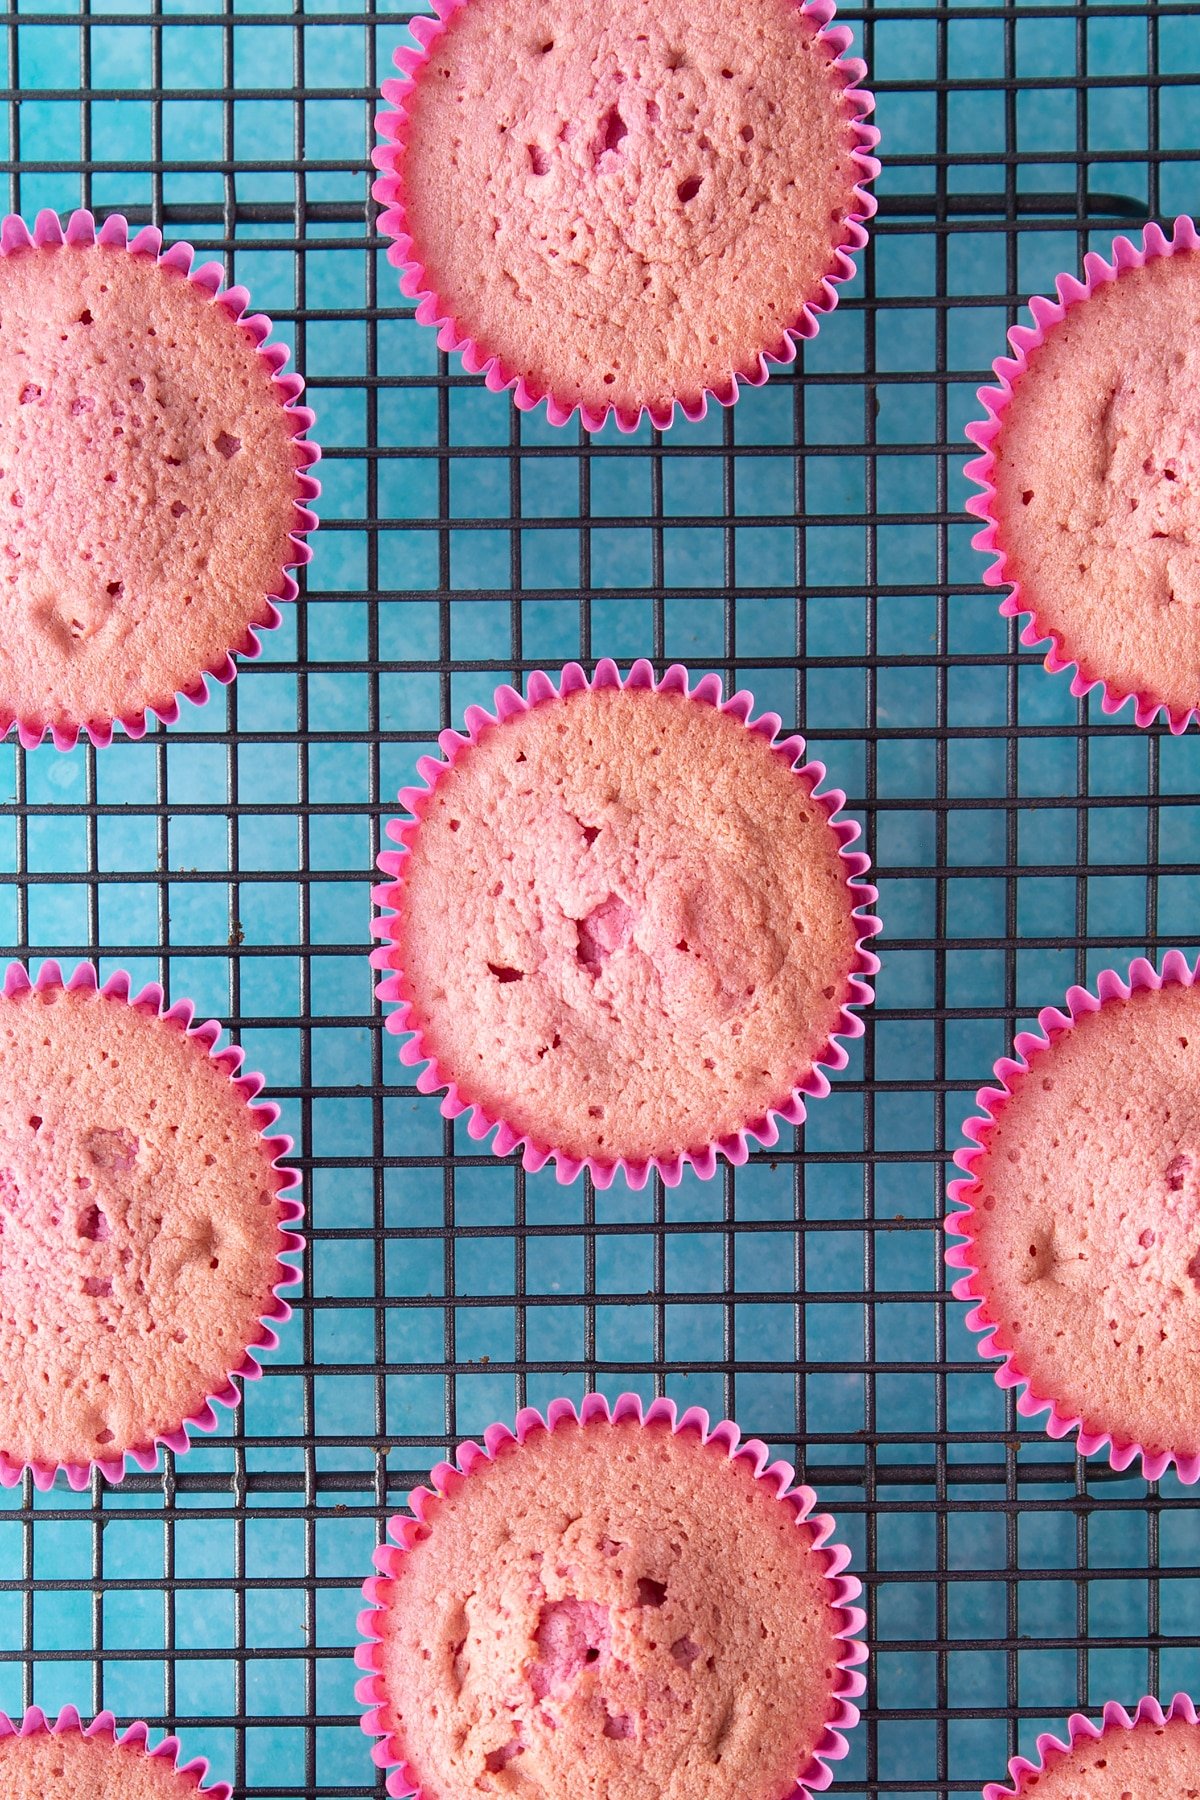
(667, 1610)
(1090, 480)
(68, 1760)
(154, 485)
(1154, 1755)
(1081, 1259)
(625, 927)
(625, 210)
(144, 1216)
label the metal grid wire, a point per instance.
(810, 545)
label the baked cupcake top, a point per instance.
(139, 1226)
(149, 479)
(609, 1609)
(1097, 478)
(1155, 1758)
(76, 1765)
(630, 206)
(1083, 1224)
(624, 925)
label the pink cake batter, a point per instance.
(628, 203)
(1086, 1228)
(139, 1226)
(1098, 481)
(624, 924)
(69, 1766)
(610, 1613)
(1150, 1762)
(147, 480)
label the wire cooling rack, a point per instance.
(810, 545)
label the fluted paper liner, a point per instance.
(813, 1084)
(1024, 339)
(180, 1016)
(82, 231)
(991, 1101)
(133, 1741)
(723, 1439)
(1023, 1773)
(499, 376)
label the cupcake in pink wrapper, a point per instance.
(144, 1215)
(1081, 1229)
(1091, 476)
(154, 484)
(68, 1760)
(623, 927)
(627, 1601)
(1154, 1753)
(624, 210)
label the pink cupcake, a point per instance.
(143, 1213)
(1091, 476)
(620, 1603)
(153, 479)
(1082, 1247)
(624, 928)
(68, 1760)
(626, 209)
(1153, 1756)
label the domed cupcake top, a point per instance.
(151, 479)
(141, 1222)
(67, 1760)
(1091, 475)
(1152, 1754)
(626, 207)
(640, 1608)
(1082, 1228)
(624, 923)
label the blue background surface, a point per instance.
(226, 1598)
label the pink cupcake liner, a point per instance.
(725, 1439)
(735, 1147)
(498, 375)
(1023, 1773)
(133, 1739)
(1024, 339)
(181, 1015)
(82, 231)
(991, 1101)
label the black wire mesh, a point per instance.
(810, 545)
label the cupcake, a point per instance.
(622, 209)
(1082, 1251)
(67, 1760)
(623, 925)
(142, 1216)
(1153, 1756)
(611, 1604)
(1091, 476)
(153, 484)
